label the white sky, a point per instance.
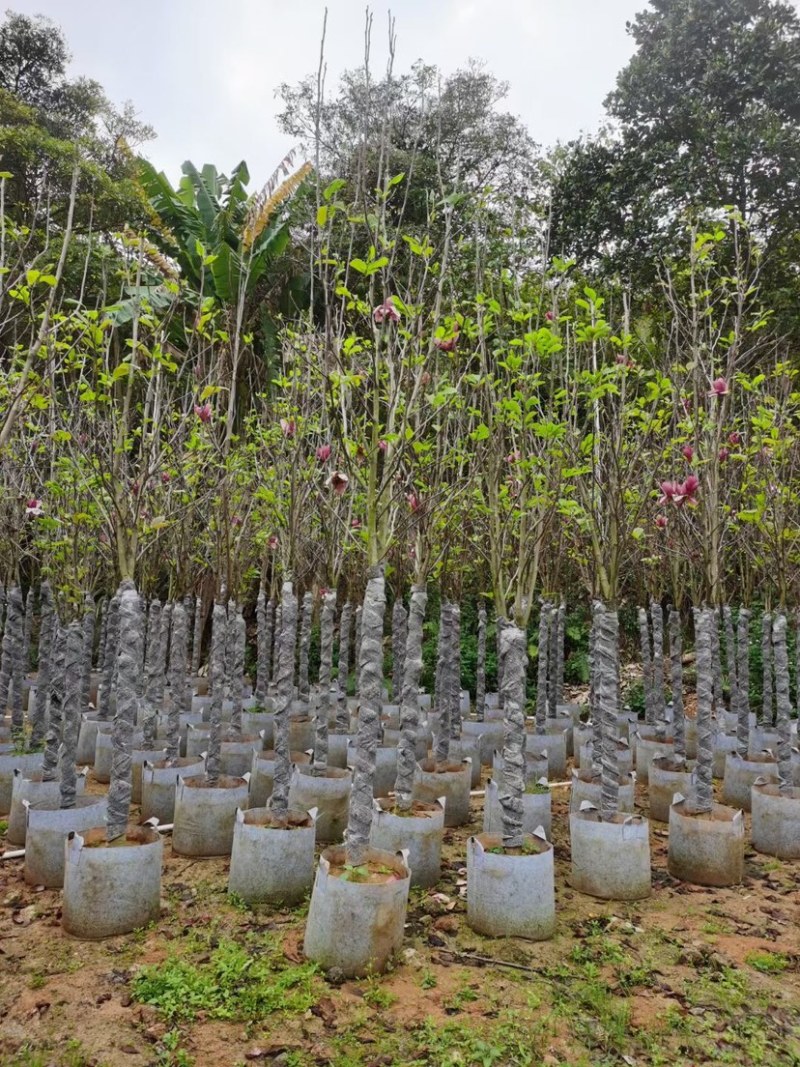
(204, 73)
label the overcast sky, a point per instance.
(204, 73)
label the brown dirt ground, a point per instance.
(668, 980)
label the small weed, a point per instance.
(428, 980)
(376, 996)
(3, 826)
(767, 962)
(170, 1054)
(459, 999)
(354, 874)
(236, 902)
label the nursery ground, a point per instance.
(689, 976)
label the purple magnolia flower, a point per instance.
(386, 312)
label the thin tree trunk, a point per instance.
(480, 667)
(88, 651)
(15, 623)
(190, 607)
(606, 656)
(766, 660)
(716, 658)
(784, 702)
(342, 717)
(276, 648)
(39, 718)
(177, 680)
(238, 633)
(279, 802)
(197, 637)
(357, 649)
(454, 673)
(647, 667)
(442, 750)
(303, 687)
(327, 690)
(409, 702)
(676, 682)
(371, 675)
(730, 656)
(542, 667)
(101, 649)
(262, 657)
(216, 663)
(558, 676)
(55, 723)
(154, 676)
(514, 660)
(743, 676)
(129, 664)
(112, 640)
(659, 701)
(73, 671)
(704, 622)
(594, 711)
(27, 630)
(399, 637)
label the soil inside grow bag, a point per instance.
(224, 781)
(369, 873)
(134, 835)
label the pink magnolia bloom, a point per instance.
(33, 508)
(166, 477)
(688, 453)
(273, 543)
(338, 482)
(514, 457)
(203, 412)
(680, 493)
(288, 427)
(413, 501)
(687, 490)
(236, 521)
(448, 344)
(324, 453)
(383, 446)
(624, 360)
(687, 403)
(724, 453)
(661, 522)
(135, 488)
(734, 438)
(386, 312)
(355, 524)
(719, 387)
(549, 316)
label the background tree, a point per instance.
(706, 116)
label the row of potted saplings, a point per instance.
(394, 842)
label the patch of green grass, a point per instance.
(767, 962)
(429, 980)
(70, 1054)
(3, 826)
(230, 984)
